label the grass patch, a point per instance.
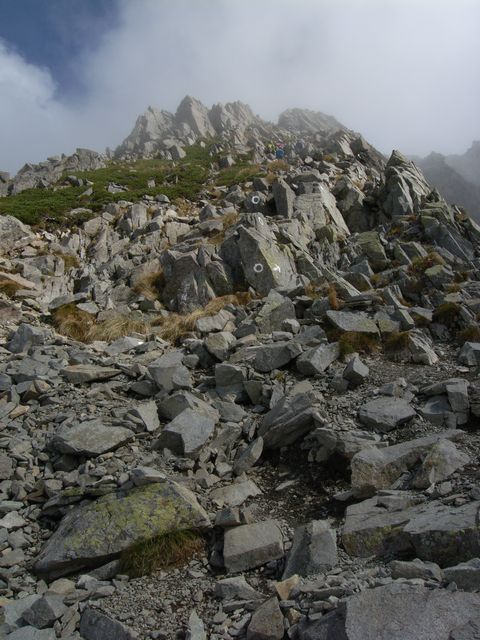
(72, 322)
(333, 299)
(48, 207)
(79, 325)
(447, 313)
(353, 342)
(151, 285)
(238, 174)
(397, 341)
(469, 334)
(168, 550)
(175, 325)
(420, 264)
(9, 287)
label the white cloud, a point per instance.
(403, 72)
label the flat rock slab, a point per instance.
(291, 418)
(252, 545)
(385, 413)
(80, 373)
(187, 433)
(91, 438)
(276, 355)
(398, 612)
(433, 531)
(97, 533)
(374, 469)
(349, 321)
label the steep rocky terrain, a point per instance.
(456, 176)
(239, 396)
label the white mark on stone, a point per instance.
(255, 199)
(276, 267)
(258, 268)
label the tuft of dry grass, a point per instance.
(151, 285)
(79, 325)
(447, 313)
(469, 334)
(278, 165)
(333, 299)
(353, 342)
(117, 326)
(228, 220)
(9, 287)
(176, 325)
(170, 549)
(420, 264)
(397, 341)
(71, 321)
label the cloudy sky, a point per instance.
(405, 73)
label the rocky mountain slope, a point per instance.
(239, 397)
(456, 176)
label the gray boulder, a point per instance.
(236, 588)
(80, 373)
(252, 545)
(316, 360)
(314, 550)
(27, 336)
(397, 612)
(266, 622)
(384, 414)
(469, 354)
(44, 611)
(95, 625)
(13, 231)
(442, 460)
(290, 419)
(98, 532)
(349, 321)
(91, 438)
(186, 434)
(169, 373)
(273, 356)
(274, 312)
(356, 372)
(374, 469)
(284, 198)
(466, 575)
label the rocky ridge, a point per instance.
(278, 381)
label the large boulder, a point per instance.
(314, 550)
(252, 545)
(290, 419)
(187, 433)
(384, 413)
(374, 469)
(405, 186)
(90, 438)
(13, 231)
(349, 321)
(398, 612)
(98, 532)
(434, 531)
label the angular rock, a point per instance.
(356, 372)
(248, 457)
(27, 336)
(235, 494)
(466, 575)
(397, 612)
(284, 198)
(236, 588)
(349, 321)
(276, 355)
(290, 419)
(95, 625)
(45, 611)
(274, 312)
(169, 373)
(442, 460)
(384, 414)
(196, 628)
(91, 438)
(314, 550)
(374, 469)
(415, 569)
(469, 354)
(32, 633)
(252, 545)
(186, 434)
(266, 622)
(80, 373)
(316, 360)
(96, 533)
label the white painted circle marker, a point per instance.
(258, 268)
(255, 199)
